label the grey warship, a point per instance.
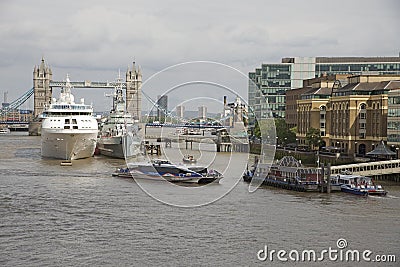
(117, 137)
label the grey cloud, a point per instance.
(93, 40)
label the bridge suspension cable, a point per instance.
(17, 103)
(156, 104)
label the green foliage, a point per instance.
(264, 128)
(282, 131)
(257, 131)
(284, 134)
(313, 138)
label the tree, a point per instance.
(257, 131)
(313, 138)
(284, 134)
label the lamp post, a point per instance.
(338, 150)
(318, 166)
(355, 149)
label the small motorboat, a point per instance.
(122, 173)
(189, 159)
(66, 163)
(4, 131)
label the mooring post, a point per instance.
(328, 188)
(322, 181)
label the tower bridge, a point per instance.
(43, 86)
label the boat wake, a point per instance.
(380, 197)
(393, 197)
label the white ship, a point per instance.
(69, 130)
(118, 131)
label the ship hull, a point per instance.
(117, 146)
(68, 145)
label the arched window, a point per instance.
(363, 111)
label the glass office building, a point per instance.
(274, 80)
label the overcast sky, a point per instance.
(91, 40)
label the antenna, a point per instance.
(5, 96)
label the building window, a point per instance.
(363, 111)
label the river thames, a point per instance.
(54, 215)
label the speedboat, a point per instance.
(165, 170)
(189, 159)
(360, 185)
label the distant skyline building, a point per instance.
(202, 112)
(162, 102)
(180, 111)
(275, 79)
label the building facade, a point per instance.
(17, 115)
(162, 109)
(393, 120)
(311, 86)
(202, 112)
(274, 80)
(180, 111)
(352, 119)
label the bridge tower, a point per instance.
(134, 91)
(42, 76)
